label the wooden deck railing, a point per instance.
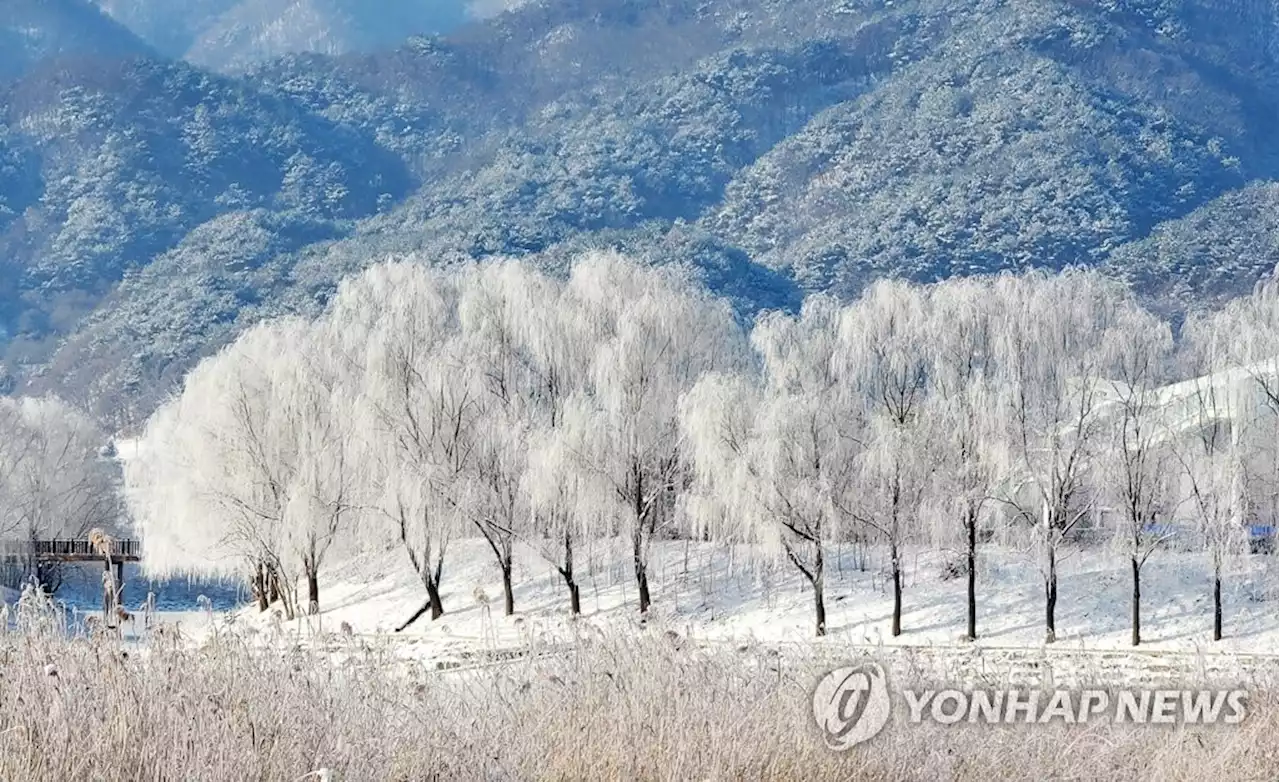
(124, 550)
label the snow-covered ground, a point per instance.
(713, 594)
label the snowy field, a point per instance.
(716, 596)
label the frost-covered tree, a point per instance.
(328, 486)
(418, 406)
(963, 318)
(54, 483)
(16, 439)
(211, 492)
(1211, 421)
(1049, 345)
(883, 355)
(774, 455)
(253, 469)
(656, 332)
(1137, 464)
(564, 503)
(493, 307)
(1253, 336)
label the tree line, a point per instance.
(623, 400)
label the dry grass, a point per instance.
(645, 708)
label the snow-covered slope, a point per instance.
(719, 594)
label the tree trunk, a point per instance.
(432, 604)
(971, 522)
(260, 586)
(313, 592)
(566, 572)
(508, 591)
(637, 542)
(819, 602)
(1137, 600)
(273, 584)
(897, 600)
(575, 599)
(642, 574)
(1217, 606)
(433, 599)
(1051, 598)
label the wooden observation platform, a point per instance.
(118, 553)
(121, 551)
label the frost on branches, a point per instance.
(625, 402)
(56, 482)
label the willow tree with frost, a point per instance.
(1137, 461)
(55, 482)
(1216, 416)
(564, 503)
(1050, 351)
(417, 404)
(963, 319)
(883, 358)
(210, 490)
(655, 332)
(774, 452)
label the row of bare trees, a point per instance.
(500, 402)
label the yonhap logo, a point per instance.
(851, 705)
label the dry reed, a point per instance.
(645, 707)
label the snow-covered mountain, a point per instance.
(151, 208)
(32, 31)
(172, 26)
(236, 34)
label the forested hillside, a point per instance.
(150, 209)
